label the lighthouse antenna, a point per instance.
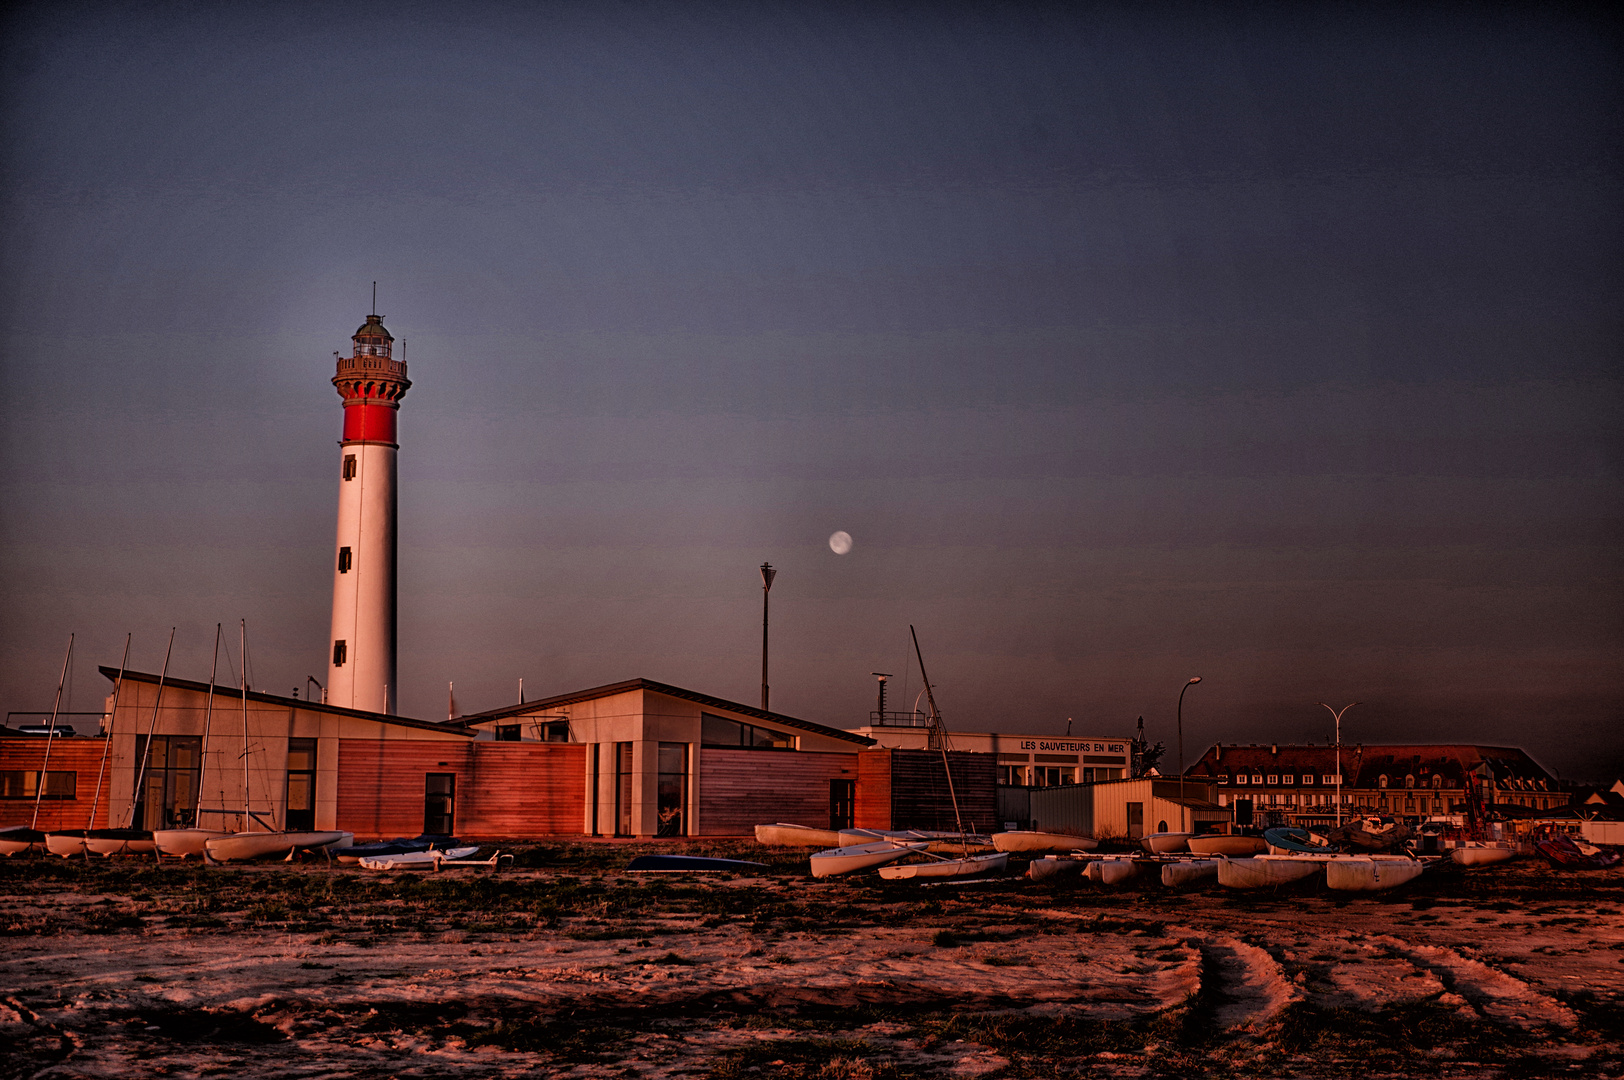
(374, 298)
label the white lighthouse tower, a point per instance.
(361, 664)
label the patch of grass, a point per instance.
(674, 960)
(206, 1025)
(563, 1040)
(807, 1059)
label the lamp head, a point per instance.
(1193, 680)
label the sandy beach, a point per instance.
(568, 967)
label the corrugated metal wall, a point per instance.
(1068, 809)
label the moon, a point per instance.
(840, 542)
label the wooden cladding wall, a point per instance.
(83, 758)
(503, 789)
(919, 791)
(740, 789)
(873, 790)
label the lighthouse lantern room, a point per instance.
(361, 665)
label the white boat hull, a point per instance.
(1363, 874)
(416, 860)
(1163, 843)
(843, 860)
(1482, 854)
(1051, 867)
(1230, 847)
(785, 835)
(1111, 871)
(11, 845)
(182, 843)
(65, 845)
(948, 868)
(239, 846)
(108, 846)
(1268, 871)
(1176, 875)
(1031, 840)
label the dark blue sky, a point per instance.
(1272, 343)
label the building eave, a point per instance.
(307, 705)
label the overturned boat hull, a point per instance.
(19, 840)
(1230, 847)
(786, 835)
(1051, 867)
(1178, 875)
(1163, 843)
(185, 843)
(1111, 871)
(66, 842)
(1023, 840)
(110, 842)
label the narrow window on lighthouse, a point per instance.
(349, 466)
(343, 560)
(340, 652)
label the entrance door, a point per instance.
(301, 812)
(439, 803)
(842, 803)
(1136, 821)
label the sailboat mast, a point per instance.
(141, 774)
(941, 733)
(247, 809)
(50, 736)
(208, 719)
(112, 719)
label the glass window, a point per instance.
(555, 731)
(1409, 781)
(623, 789)
(174, 774)
(343, 560)
(439, 803)
(720, 731)
(1240, 778)
(349, 466)
(341, 652)
(1274, 778)
(1012, 775)
(301, 806)
(673, 789)
(507, 732)
(24, 784)
(1289, 778)
(1257, 778)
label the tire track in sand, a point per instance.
(1502, 998)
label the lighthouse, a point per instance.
(361, 668)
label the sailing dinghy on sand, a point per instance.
(186, 842)
(939, 866)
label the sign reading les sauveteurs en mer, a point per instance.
(1074, 747)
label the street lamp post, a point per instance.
(1182, 808)
(767, 575)
(1338, 714)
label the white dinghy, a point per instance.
(1370, 873)
(1482, 853)
(1268, 871)
(235, 847)
(784, 834)
(65, 842)
(1228, 845)
(19, 840)
(1023, 840)
(1185, 872)
(110, 842)
(184, 843)
(1052, 867)
(1163, 843)
(1110, 871)
(969, 866)
(843, 860)
(416, 860)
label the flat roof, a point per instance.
(659, 688)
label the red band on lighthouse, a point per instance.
(367, 421)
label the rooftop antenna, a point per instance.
(882, 676)
(374, 298)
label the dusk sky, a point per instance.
(1275, 344)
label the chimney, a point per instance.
(1218, 752)
(1274, 748)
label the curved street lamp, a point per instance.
(1338, 714)
(1182, 808)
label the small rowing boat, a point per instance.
(19, 840)
(65, 842)
(1161, 843)
(1231, 846)
(416, 860)
(183, 843)
(844, 860)
(110, 842)
(1481, 852)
